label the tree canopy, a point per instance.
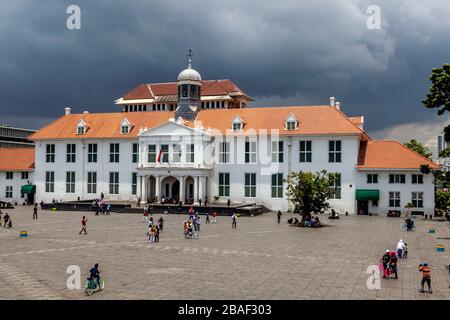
(308, 192)
(438, 95)
(420, 148)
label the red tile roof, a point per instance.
(209, 88)
(16, 159)
(390, 155)
(313, 120)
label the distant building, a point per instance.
(441, 144)
(11, 137)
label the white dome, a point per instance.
(189, 74)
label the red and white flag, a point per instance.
(160, 155)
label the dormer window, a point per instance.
(125, 127)
(237, 124)
(291, 122)
(81, 127)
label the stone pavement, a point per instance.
(258, 260)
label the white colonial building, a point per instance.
(206, 143)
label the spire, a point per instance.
(189, 55)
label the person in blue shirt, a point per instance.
(95, 274)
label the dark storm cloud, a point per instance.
(280, 52)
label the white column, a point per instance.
(158, 188)
(139, 186)
(144, 190)
(195, 189)
(201, 188)
(182, 187)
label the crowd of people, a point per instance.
(101, 207)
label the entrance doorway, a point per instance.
(363, 206)
(170, 189)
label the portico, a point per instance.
(176, 185)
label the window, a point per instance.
(224, 152)
(176, 153)
(49, 181)
(92, 152)
(151, 155)
(335, 185)
(397, 178)
(24, 175)
(417, 178)
(125, 128)
(305, 151)
(237, 126)
(135, 155)
(80, 129)
(250, 185)
(114, 152)
(417, 199)
(334, 151)
(250, 151)
(224, 184)
(92, 182)
(71, 153)
(113, 183)
(372, 178)
(291, 125)
(190, 153)
(50, 153)
(277, 151)
(184, 90)
(165, 149)
(70, 182)
(134, 183)
(277, 185)
(394, 199)
(9, 175)
(9, 192)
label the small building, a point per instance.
(17, 175)
(11, 137)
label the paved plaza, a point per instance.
(258, 260)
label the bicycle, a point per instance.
(92, 286)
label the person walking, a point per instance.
(35, 209)
(234, 222)
(426, 277)
(279, 216)
(7, 221)
(157, 231)
(198, 222)
(207, 217)
(83, 225)
(214, 214)
(161, 223)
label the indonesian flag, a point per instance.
(160, 155)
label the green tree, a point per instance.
(308, 192)
(445, 153)
(420, 148)
(438, 95)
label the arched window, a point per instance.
(81, 127)
(291, 122)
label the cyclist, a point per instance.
(95, 274)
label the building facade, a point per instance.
(190, 152)
(11, 137)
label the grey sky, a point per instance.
(279, 52)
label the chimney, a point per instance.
(332, 101)
(67, 111)
(338, 105)
(84, 112)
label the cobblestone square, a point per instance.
(259, 260)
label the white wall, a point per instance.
(125, 168)
(405, 190)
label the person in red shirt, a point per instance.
(83, 225)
